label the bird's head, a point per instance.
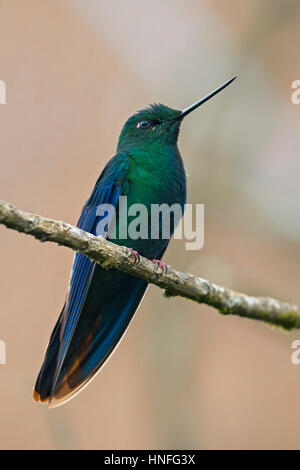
(157, 123)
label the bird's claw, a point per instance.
(160, 265)
(135, 255)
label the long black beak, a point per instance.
(191, 108)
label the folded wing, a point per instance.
(98, 308)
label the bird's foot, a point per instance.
(135, 255)
(160, 265)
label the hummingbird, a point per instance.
(100, 304)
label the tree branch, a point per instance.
(175, 283)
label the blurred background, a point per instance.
(184, 376)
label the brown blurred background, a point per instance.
(184, 376)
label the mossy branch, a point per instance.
(174, 283)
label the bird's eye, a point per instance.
(144, 124)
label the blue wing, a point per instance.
(107, 190)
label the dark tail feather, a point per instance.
(42, 389)
(111, 302)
